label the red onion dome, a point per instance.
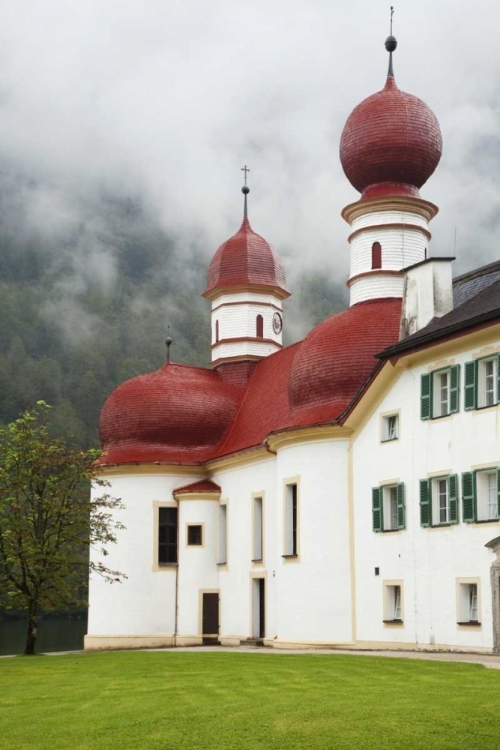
(337, 356)
(391, 137)
(246, 259)
(175, 413)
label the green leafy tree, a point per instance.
(48, 520)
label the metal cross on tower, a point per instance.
(245, 170)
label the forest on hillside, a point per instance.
(86, 305)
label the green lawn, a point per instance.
(171, 700)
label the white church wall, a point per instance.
(376, 286)
(400, 248)
(239, 485)
(143, 605)
(313, 601)
(429, 562)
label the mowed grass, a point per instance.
(171, 700)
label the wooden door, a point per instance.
(210, 614)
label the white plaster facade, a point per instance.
(332, 591)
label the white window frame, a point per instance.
(393, 602)
(486, 495)
(487, 382)
(291, 536)
(390, 427)
(439, 389)
(469, 601)
(390, 510)
(438, 484)
(222, 535)
(258, 527)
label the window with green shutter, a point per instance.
(453, 498)
(425, 503)
(485, 488)
(468, 497)
(377, 509)
(400, 489)
(426, 396)
(454, 389)
(470, 396)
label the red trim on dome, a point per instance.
(204, 485)
(246, 259)
(389, 190)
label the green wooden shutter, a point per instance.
(453, 488)
(498, 380)
(377, 512)
(498, 492)
(425, 503)
(426, 396)
(468, 497)
(470, 400)
(400, 494)
(454, 388)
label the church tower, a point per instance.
(246, 286)
(390, 146)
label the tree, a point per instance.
(48, 520)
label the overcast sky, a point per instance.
(170, 98)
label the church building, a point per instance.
(340, 492)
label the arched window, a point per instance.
(260, 326)
(216, 331)
(376, 255)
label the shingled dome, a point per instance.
(176, 413)
(391, 139)
(246, 259)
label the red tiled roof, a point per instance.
(337, 357)
(189, 415)
(391, 137)
(177, 413)
(246, 258)
(204, 485)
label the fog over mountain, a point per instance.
(124, 125)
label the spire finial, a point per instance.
(245, 190)
(168, 343)
(390, 45)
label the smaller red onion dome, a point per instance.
(245, 259)
(337, 356)
(391, 137)
(173, 414)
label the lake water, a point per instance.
(53, 635)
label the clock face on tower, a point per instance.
(277, 323)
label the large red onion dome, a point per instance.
(176, 413)
(391, 137)
(246, 259)
(337, 356)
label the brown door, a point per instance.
(210, 614)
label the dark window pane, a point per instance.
(194, 536)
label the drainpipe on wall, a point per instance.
(176, 619)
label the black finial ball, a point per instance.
(245, 189)
(168, 342)
(391, 43)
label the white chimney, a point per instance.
(428, 294)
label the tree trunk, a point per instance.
(31, 633)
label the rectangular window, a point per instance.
(482, 382)
(390, 427)
(439, 501)
(194, 535)
(222, 535)
(167, 536)
(393, 603)
(291, 520)
(388, 507)
(481, 495)
(257, 530)
(468, 603)
(439, 394)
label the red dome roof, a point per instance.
(246, 258)
(336, 358)
(172, 414)
(391, 137)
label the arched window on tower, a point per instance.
(376, 255)
(216, 331)
(260, 326)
